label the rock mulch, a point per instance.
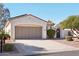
(74, 43)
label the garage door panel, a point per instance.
(28, 32)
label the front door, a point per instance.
(58, 33)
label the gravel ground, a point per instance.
(74, 43)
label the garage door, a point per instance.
(28, 32)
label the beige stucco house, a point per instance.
(26, 26)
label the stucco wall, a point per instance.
(28, 20)
(64, 33)
(8, 29)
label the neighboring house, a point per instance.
(26, 26)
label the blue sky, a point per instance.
(56, 12)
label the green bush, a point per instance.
(50, 33)
(8, 47)
(69, 38)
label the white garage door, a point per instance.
(28, 32)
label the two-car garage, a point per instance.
(22, 32)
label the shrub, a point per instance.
(69, 38)
(8, 47)
(50, 33)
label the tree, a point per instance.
(1, 11)
(70, 22)
(76, 23)
(4, 15)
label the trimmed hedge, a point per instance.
(50, 33)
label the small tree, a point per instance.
(50, 33)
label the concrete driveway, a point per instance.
(30, 47)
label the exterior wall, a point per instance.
(44, 32)
(8, 29)
(48, 27)
(28, 21)
(64, 33)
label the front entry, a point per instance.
(58, 33)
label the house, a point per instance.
(26, 26)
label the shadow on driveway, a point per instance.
(28, 49)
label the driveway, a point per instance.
(30, 47)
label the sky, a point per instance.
(56, 12)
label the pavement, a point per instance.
(40, 47)
(64, 53)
